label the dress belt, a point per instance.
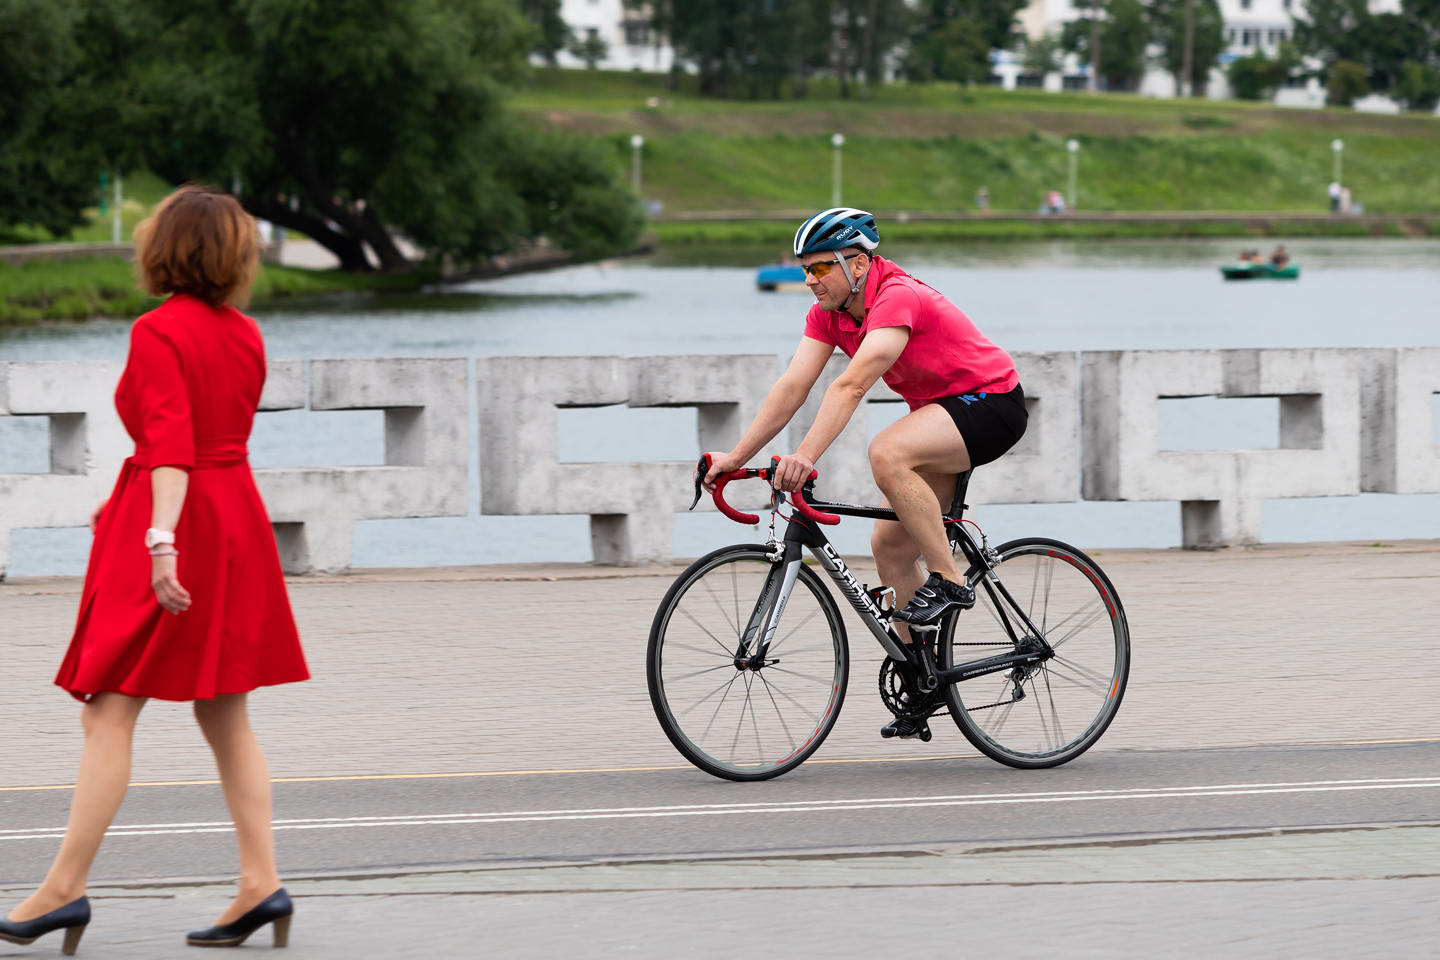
(204, 459)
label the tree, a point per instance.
(952, 39)
(1346, 84)
(353, 121)
(1255, 77)
(1419, 87)
(590, 49)
(65, 109)
(552, 33)
(1332, 30)
(1167, 18)
(1043, 55)
(1123, 36)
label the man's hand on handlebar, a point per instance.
(720, 463)
(792, 472)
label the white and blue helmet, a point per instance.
(837, 229)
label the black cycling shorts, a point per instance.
(989, 423)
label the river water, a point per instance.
(1027, 296)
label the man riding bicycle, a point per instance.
(966, 407)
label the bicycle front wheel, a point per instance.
(1049, 713)
(727, 713)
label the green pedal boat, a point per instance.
(1260, 271)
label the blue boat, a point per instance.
(780, 277)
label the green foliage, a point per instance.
(952, 39)
(1123, 34)
(552, 34)
(346, 120)
(63, 109)
(106, 287)
(1419, 87)
(1346, 84)
(1043, 55)
(1255, 77)
(589, 50)
(1167, 18)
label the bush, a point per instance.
(1419, 87)
(1348, 82)
(1255, 77)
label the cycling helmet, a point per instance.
(837, 229)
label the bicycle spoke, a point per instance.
(778, 715)
(698, 673)
(728, 652)
(734, 624)
(1084, 672)
(1098, 611)
(823, 681)
(728, 655)
(758, 721)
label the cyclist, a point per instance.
(966, 407)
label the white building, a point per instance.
(630, 44)
(1250, 26)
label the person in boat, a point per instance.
(1279, 258)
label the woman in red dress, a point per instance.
(204, 616)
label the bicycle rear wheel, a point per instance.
(731, 717)
(1049, 713)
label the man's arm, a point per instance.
(878, 351)
(784, 398)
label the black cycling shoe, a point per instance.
(935, 599)
(907, 728)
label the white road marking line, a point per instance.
(760, 808)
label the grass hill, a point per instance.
(929, 147)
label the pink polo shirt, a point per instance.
(946, 355)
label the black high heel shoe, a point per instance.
(73, 918)
(276, 908)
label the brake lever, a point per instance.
(701, 468)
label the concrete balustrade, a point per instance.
(1349, 421)
(631, 505)
(1044, 467)
(313, 508)
(1220, 491)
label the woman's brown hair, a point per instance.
(201, 242)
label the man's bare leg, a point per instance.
(905, 458)
(897, 558)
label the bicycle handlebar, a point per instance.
(749, 473)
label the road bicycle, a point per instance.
(748, 660)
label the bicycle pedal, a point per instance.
(931, 628)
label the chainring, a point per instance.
(898, 696)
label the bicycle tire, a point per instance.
(729, 582)
(1090, 676)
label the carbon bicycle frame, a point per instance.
(800, 535)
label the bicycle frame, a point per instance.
(800, 536)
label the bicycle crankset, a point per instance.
(898, 693)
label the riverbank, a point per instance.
(42, 290)
(907, 227)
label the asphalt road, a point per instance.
(407, 824)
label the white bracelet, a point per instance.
(157, 552)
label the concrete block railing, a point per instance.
(1351, 421)
(313, 508)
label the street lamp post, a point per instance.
(636, 143)
(1337, 147)
(837, 141)
(115, 210)
(1073, 148)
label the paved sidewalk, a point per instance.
(432, 671)
(1343, 893)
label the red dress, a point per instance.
(187, 398)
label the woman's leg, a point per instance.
(246, 781)
(109, 722)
